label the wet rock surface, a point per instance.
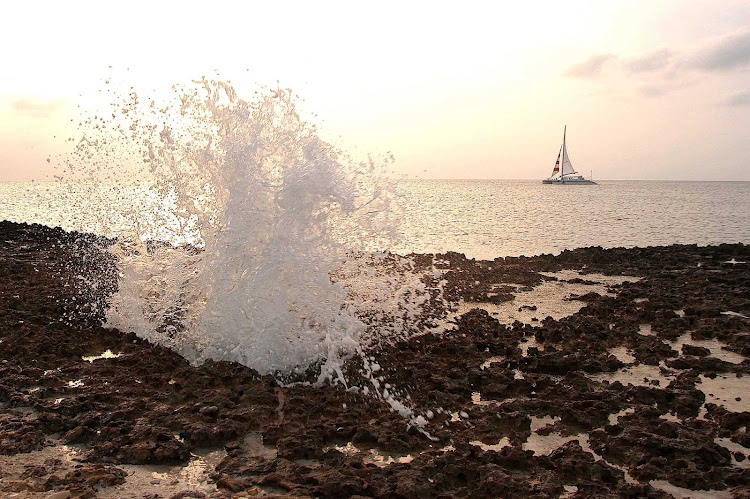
(590, 405)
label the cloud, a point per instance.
(34, 108)
(740, 99)
(590, 68)
(666, 70)
(653, 90)
(651, 62)
(729, 52)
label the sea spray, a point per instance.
(242, 235)
(265, 194)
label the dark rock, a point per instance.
(695, 351)
(150, 406)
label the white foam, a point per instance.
(107, 354)
(286, 224)
(272, 236)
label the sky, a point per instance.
(654, 89)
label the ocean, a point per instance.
(483, 219)
(489, 218)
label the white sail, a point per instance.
(567, 166)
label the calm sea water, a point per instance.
(484, 218)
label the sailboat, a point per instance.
(563, 167)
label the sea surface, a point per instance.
(489, 218)
(482, 218)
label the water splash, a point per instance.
(251, 239)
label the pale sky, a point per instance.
(655, 89)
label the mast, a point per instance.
(562, 163)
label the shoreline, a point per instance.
(517, 410)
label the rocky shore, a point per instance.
(643, 392)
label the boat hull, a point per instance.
(569, 182)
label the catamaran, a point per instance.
(563, 167)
